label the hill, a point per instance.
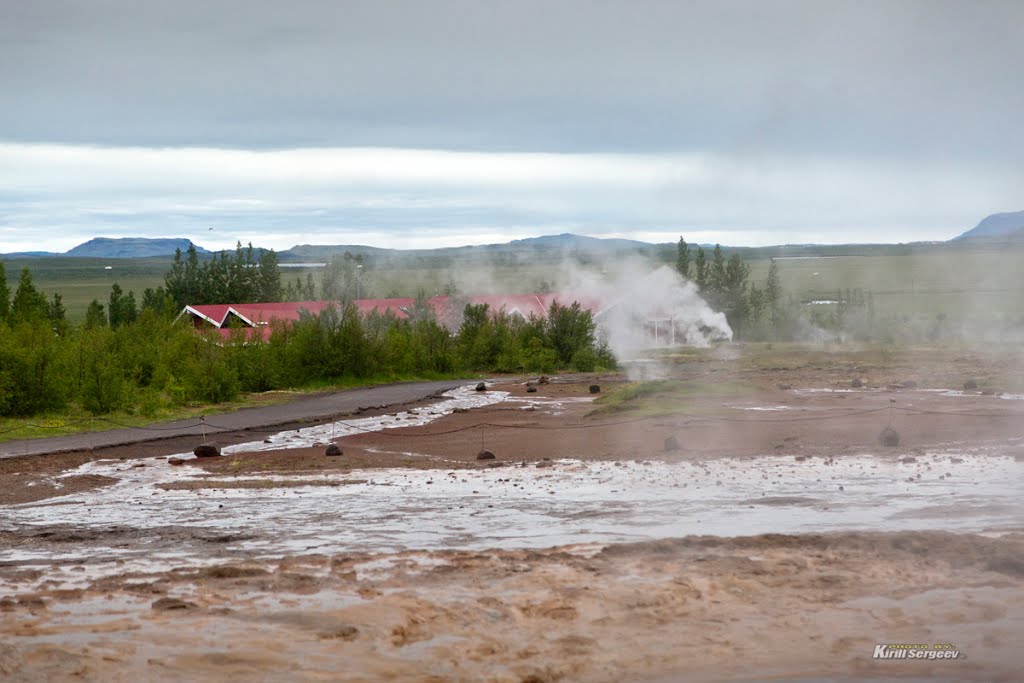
(130, 247)
(997, 226)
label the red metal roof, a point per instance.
(261, 315)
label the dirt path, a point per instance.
(317, 407)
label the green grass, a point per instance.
(665, 397)
(961, 282)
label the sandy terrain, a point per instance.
(580, 553)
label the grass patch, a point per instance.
(665, 397)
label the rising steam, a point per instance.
(642, 310)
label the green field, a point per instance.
(962, 282)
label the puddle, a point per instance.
(463, 398)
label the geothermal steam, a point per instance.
(634, 298)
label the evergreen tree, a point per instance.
(174, 281)
(716, 276)
(268, 278)
(94, 315)
(683, 258)
(115, 306)
(58, 315)
(773, 292)
(28, 303)
(5, 295)
(701, 265)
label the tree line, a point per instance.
(142, 358)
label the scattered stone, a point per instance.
(672, 443)
(485, 455)
(970, 385)
(481, 387)
(543, 380)
(909, 384)
(841, 488)
(595, 389)
(889, 437)
(800, 458)
(177, 462)
(267, 441)
(531, 390)
(169, 604)
(909, 460)
(857, 383)
(545, 463)
(988, 392)
(139, 464)
(785, 387)
(207, 450)
(333, 449)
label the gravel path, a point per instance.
(309, 408)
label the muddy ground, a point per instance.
(762, 607)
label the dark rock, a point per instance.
(988, 392)
(909, 460)
(543, 380)
(175, 461)
(857, 383)
(889, 437)
(333, 449)
(909, 384)
(970, 385)
(481, 387)
(785, 387)
(531, 390)
(545, 463)
(672, 444)
(595, 389)
(485, 455)
(207, 450)
(168, 604)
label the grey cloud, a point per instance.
(878, 79)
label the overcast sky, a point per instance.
(422, 123)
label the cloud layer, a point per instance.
(783, 121)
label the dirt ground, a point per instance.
(809, 607)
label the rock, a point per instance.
(531, 390)
(970, 385)
(595, 389)
(545, 463)
(485, 454)
(909, 460)
(175, 461)
(857, 383)
(785, 387)
(481, 387)
(168, 604)
(889, 437)
(988, 392)
(543, 380)
(206, 450)
(672, 443)
(333, 449)
(909, 384)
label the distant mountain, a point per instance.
(569, 241)
(130, 247)
(998, 225)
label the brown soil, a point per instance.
(700, 608)
(759, 608)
